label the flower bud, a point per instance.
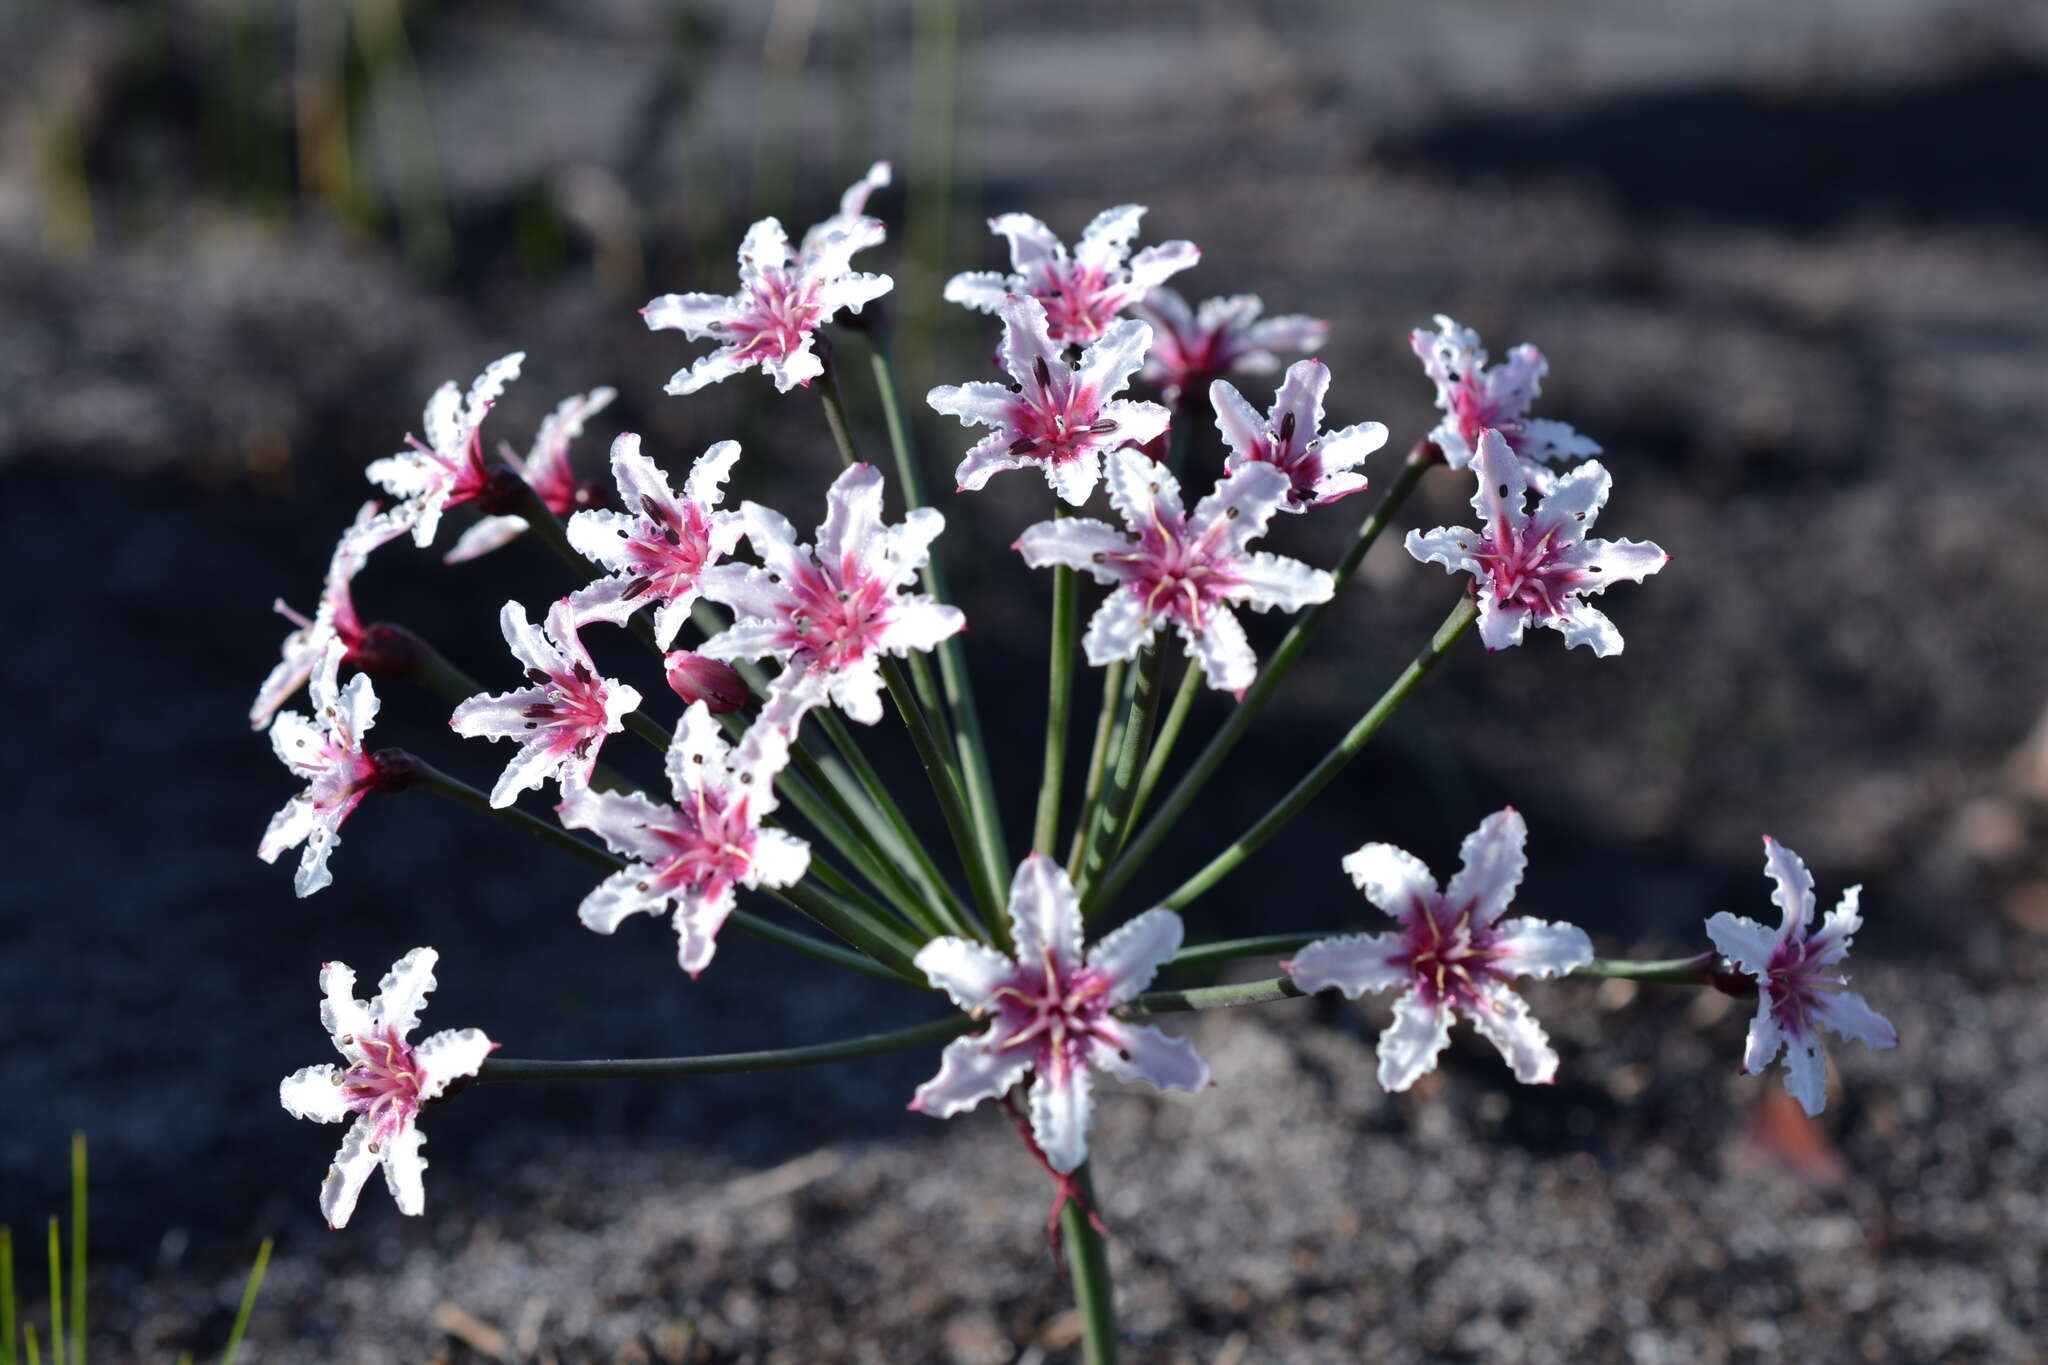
(696, 678)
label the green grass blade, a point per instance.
(77, 1250)
(35, 1357)
(56, 1298)
(249, 1292)
(7, 1296)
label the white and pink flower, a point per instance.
(1060, 418)
(547, 472)
(334, 619)
(1193, 347)
(1084, 292)
(660, 545)
(1453, 954)
(1800, 984)
(694, 854)
(1474, 398)
(829, 614)
(447, 468)
(1319, 468)
(1184, 570)
(327, 750)
(1052, 1013)
(382, 1084)
(784, 297)
(1538, 568)
(561, 720)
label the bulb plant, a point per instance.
(772, 643)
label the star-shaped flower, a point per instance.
(447, 468)
(327, 750)
(1052, 1012)
(561, 720)
(334, 619)
(1454, 953)
(693, 855)
(660, 545)
(1183, 570)
(1082, 293)
(1193, 347)
(784, 297)
(1538, 567)
(829, 614)
(1319, 468)
(1059, 418)
(1799, 981)
(547, 472)
(1475, 399)
(383, 1083)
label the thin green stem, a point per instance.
(872, 1045)
(1059, 702)
(835, 406)
(954, 679)
(830, 812)
(430, 778)
(250, 1289)
(1217, 997)
(1230, 950)
(1697, 970)
(904, 845)
(945, 783)
(1098, 757)
(430, 669)
(1088, 1267)
(1113, 808)
(1191, 783)
(1191, 681)
(651, 730)
(1455, 625)
(7, 1332)
(890, 952)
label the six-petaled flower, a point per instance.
(562, 719)
(660, 545)
(1474, 398)
(383, 1082)
(1193, 347)
(327, 750)
(694, 854)
(1453, 954)
(1538, 567)
(829, 613)
(1052, 1013)
(1186, 570)
(547, 472)
(1059, 418)
(784, 297)
(1084, 292)
(1800, 984)
(1319, 468)
(334, 619)
(447, 468)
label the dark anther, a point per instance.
(538, 711)
(1286, 428)
(1044, 374)
(1023, 445)
(1104, 427)
(583, 673)
(537, 676)
(635, 588)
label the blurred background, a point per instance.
(1789, 266)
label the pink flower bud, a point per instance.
(696, 678)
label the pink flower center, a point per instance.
(835, 620)
(1059, 1014)
(1300, 462)
(782, 310)
(1080, 301)
(1178, 577)
(572, 708)
(1794, 983)
(711, 843)
(1449, 959)
(384, 1085)
(668, 549)
(1060, 422)
(1528, 571)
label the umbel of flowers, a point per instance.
(767, 643)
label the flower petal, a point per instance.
(405, 1170)
(967, 972)
(345, 1178)
(449, 1056)
(1351, 963)
(1408, 1048)
(1847, 1014)
(1118, 629)
(1503, 1018)
(1744, 942)
(970, 1072)
(1394, 879)
(341, 1014)
(1267, 580)
(314, 1092)
(1061, 1108)
(1493, 863)
(1045, 914)
(1133, 955)
(404, 989)
(1540, 948)
(1140, 1052)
